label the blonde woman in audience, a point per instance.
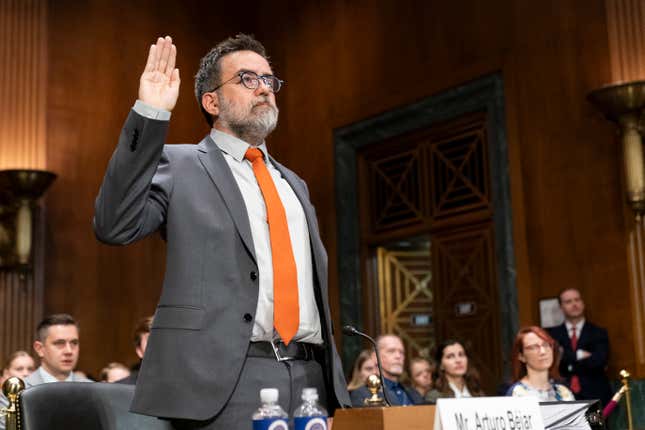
(19, 364)
(421, 370)
(535, 368)
(114, 372)
(364, 366)
(455, 377)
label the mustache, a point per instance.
(263, 100)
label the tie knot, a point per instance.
(253, 154)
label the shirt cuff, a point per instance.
(148, 111)
(579, 354)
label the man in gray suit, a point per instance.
(216, 340)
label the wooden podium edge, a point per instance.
(395, 417)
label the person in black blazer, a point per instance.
(585, 353)
(392, 354)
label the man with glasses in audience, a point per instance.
(244, 304)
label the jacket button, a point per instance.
(248, 317)
(253, 275)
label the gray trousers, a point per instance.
(289, 377)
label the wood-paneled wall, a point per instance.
(96, 54)
(345, 61)
(626, 31)
(23, 73)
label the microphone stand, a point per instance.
(352, 331)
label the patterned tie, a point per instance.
(286, 311)
(575, 381)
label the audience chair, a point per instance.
(83, 405)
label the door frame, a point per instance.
(482, 94)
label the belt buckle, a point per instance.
(276, 351)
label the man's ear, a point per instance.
(210, 103)
(139, 352)
(38, 347)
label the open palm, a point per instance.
(159, 83)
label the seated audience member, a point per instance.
(455, 377)
(535, 368)
(114, 372)
(141, 333)
(421, 370)
(18, 364)
(392, 353)
(364, 366)
(58, 346)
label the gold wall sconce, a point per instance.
(19, 192)
(624, 104)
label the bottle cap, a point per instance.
(269, 395)
(309, 394)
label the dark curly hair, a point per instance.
(208, 75)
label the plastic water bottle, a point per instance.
(270, 416)
(310, 415)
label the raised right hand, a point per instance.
(159, 83)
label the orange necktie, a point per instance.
(286, 311)
(575, 380)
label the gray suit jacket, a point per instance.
(36, 379)
(203, 323)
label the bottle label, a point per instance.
(270, 424)
(310, 423)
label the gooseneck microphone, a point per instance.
(350, 330)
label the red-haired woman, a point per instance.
(535, 367)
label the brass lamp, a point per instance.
(19, 191)
(624, 104)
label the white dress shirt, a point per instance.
(580, 354)
(233, 150)
(459, 393)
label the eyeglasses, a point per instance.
(537, 346)
(251, 80)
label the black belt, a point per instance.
(281, 352)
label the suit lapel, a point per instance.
(213, 161)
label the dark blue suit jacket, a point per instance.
(591, 371)
(359, 395)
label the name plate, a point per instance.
(488, 413)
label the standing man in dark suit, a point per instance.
(392, 353)
(585, 349)
(244, 303)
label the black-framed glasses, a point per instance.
(251, 80)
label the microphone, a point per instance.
(350, 330)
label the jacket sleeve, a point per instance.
(133, 199)
(599, 350)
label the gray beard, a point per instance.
(252, 129)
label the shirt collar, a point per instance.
(390, 383)
(458, 393)
(48, 377)
(579, 326)
(235, 147)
